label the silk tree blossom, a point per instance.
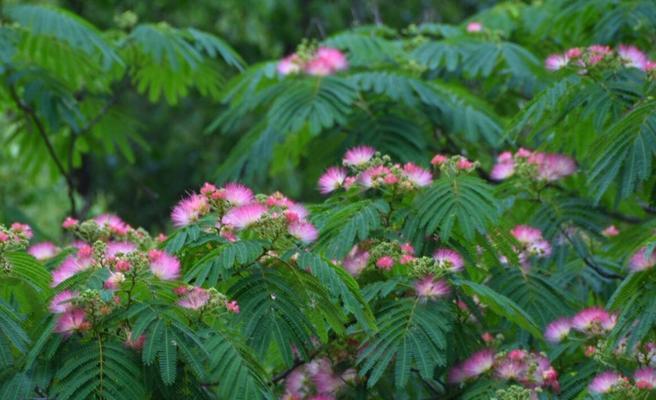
(640, 261)
(70, 223)
(334, 58)
(604, 382)
(189, 210)
(645, 378)
(299, 212)
(291, 64)
(552, 167)
(532, 240)
(417, 175)
(115, 248)
(356, 260)
(593, 321)
(332, 179)
(195, 299)
(376, 176)
(477, 364)
(358, 156)
(504, 168)
(243, 216)
(428, 288)
(72, 265)
(238, 194)
(610, 231)
(556, 61)
(62, 302)
(232, 306)
(385, 262)
(557, 330)
(439, 159)
(449, 259)
(324, 61)
(474, 27)
(134, 344)
(112, 222)
(23, 230)
(71, 321)
(303, 231)
(632, 56)
(114, 281)
(163, 265)
(43, 250)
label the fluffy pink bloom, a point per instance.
(610, 231)
(640, 262)
(335, 59)
(376, 175)
(303, 231)
(597, 53)
(277, 199)
(430, 289)
(449, 259)
(356, 260)
(504, 168)
(593, 320)
(208, 189)
(407, 248)
(43, 250)
(115, 248)
(3, 237)
(332, 179)
(289, 65)
(417, 175)
(632, 56)
(650, 65)
(555, 62)
(464, 164)
(604, 382)
(243, 216)
(123, 265)
(474, 27)
(232, 306)
(573, 53)
(526, 234)
(478, 363)
(439, 159)
(195, 299)
(135, 344)
(552, 167)
(298, 210)
(69, 223)
(163, 265)
(385, 262)
(23, 229)
(557, 330)
(114, 281)
(509, 368)
(71, 266)
(62, 302)
(237, 194)
(456, 375)
(112, 222)
(645, 378)
(72, 320)
(358, 155)
(189, 210)
(318, 67)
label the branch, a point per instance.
(589, 261)
(31, 114)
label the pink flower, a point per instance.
(238, 194)
(509, 368)
(604, 382)
(163, 265)
(43, 250)
(526, 234)
(115, 224)
(71, 321)
(597, 53)
(232, 306)
(116, 248)
(417, 175)
(650, 65)
(504, 168)
(645, 378)
(449, 259)
(573, 53)
(71, 266)
(557, 330)
(474, 26)
(593, 320)
(23, 229)
(464, 164)
(318, 67)
(356, 260)
(335, 59)
(195, 299)
(552, 167)
(632, 56)
(69, 223)
(114, 281)
(640, 262)
(303, 231)
(376, 175)
(289, 65)
(439, 159)
(407, 248)
(136, 344)
(430, 289)
(244, 216)
(208, 189)
(610, 231)
(555, 62)
(62, 302)
(456, 375)
(385, 262)
(277, 199)
(189, 210)
(332, 179)
(3, 237)
(298, 211)
(478, 363)
(357, 156)
(123, 265)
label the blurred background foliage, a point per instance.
(172, 153)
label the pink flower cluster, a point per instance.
(642, 260)
(529, 369)
(592, 321)
(544, 166)
(388, 261)
(356, 260)
(316, 381)
(43, 250)
(533, 244)
(15, 237)
(324, 61)
(238, 209)
(70, 317)
(369, 171)
(644, 379)
(197, 298)
(628, 55)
